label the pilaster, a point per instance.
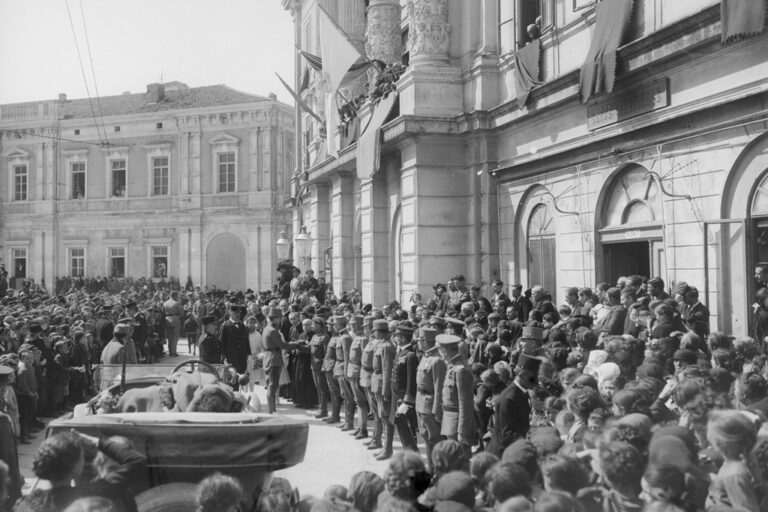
(342, 225)
(374, 227)
(319, 225)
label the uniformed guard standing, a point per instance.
(329, 364)
(430, 376)
(317, 345)
(343, 344)
(381, 384)
(458, 392)
(367, 377)
(354, 372)
(403, 412)
(210, 348)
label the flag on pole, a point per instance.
(338, 54)
(299, 101)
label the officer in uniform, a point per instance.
(210, 347)
(458, 393)
(317, 346)
(329, 365)
(430, 376)
(354, 371)
(367, 377)
(235, 343)
(343, 344)
(403, 411)
(273, 362)
(381, 383)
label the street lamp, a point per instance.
(303, 245)
(283, 246)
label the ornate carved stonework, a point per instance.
(383, 38)
(428, 29)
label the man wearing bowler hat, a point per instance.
(512, 410)
(273, 360)
(430, 375)
(458, 392)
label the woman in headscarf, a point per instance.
(596, 358)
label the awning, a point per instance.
(741, 18)
(369, 142)
(527, 70)
(598, 73)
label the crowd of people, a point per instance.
(620, 399)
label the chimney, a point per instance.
(155, 92)
(62, 97)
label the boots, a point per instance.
(349, 418)
(389, 437)
(335, 414)
(323, 406)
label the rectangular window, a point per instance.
(20, 178)
(514, 19)
(226, 164)
(19, 258)
(78, 180)
(160, 176)
(160, 261)
(118, 177)
(77, 262)
(117, 261)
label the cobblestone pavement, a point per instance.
(332, 456)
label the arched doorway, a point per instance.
(542, 249)
(630, 227)
(225, 262)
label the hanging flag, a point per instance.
(331, 122)
(337, 52)
(369, 143)
(317, 63)
(304, 80)
(299, 101)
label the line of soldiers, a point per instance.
(415, 381)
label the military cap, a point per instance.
(457, 323)
(208, 319)
(380, 325)
(404, 329)
(526, 362)
(35, 327)
(368, 321)
(429, 334)
(339, 320)
(275, 312)
(5, 370)
(447, 339)
(437, 321)
(532, 332)
(121, 329)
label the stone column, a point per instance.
(319, 226)
(374, 225)
(351, 19)
(428, 31)
(383, 36)
(342, 220)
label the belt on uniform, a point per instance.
(448, 408)
(368, 368)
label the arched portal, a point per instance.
(630, 226)
(542, 249)
(225, 262)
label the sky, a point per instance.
(240, 43)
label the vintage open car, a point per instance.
(183, 447)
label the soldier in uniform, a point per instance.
(343, 344)
(430, 376)
(403, 411)
(367, 382)
(235, 344)
(114, 352)
(273, 362)
(329, 365)
(210, 348)
(354, 371)
(458, 393)
(383, 357)
(317, 346)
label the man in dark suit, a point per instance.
(512, 411)
(519, 305)
(695, 315)
(104, 326)
(498, 294)
(235, 344)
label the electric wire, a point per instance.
(82, 70)
(93, 72)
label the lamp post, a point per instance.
(303, 244)
(283, 246)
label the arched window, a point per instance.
(542, 249)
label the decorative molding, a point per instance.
(383, 35)
(76, 242)
(429, 29)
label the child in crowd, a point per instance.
(190, 331)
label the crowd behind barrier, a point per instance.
(620, 399)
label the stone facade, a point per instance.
(664, 176)
(190, 184)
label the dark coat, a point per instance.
(235, 345)
(511, 417)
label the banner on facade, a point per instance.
(369, 143)
(527, 70)
(741, 18)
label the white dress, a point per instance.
(256, 372)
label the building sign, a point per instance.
(628, 103)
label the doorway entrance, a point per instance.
(641, 257)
